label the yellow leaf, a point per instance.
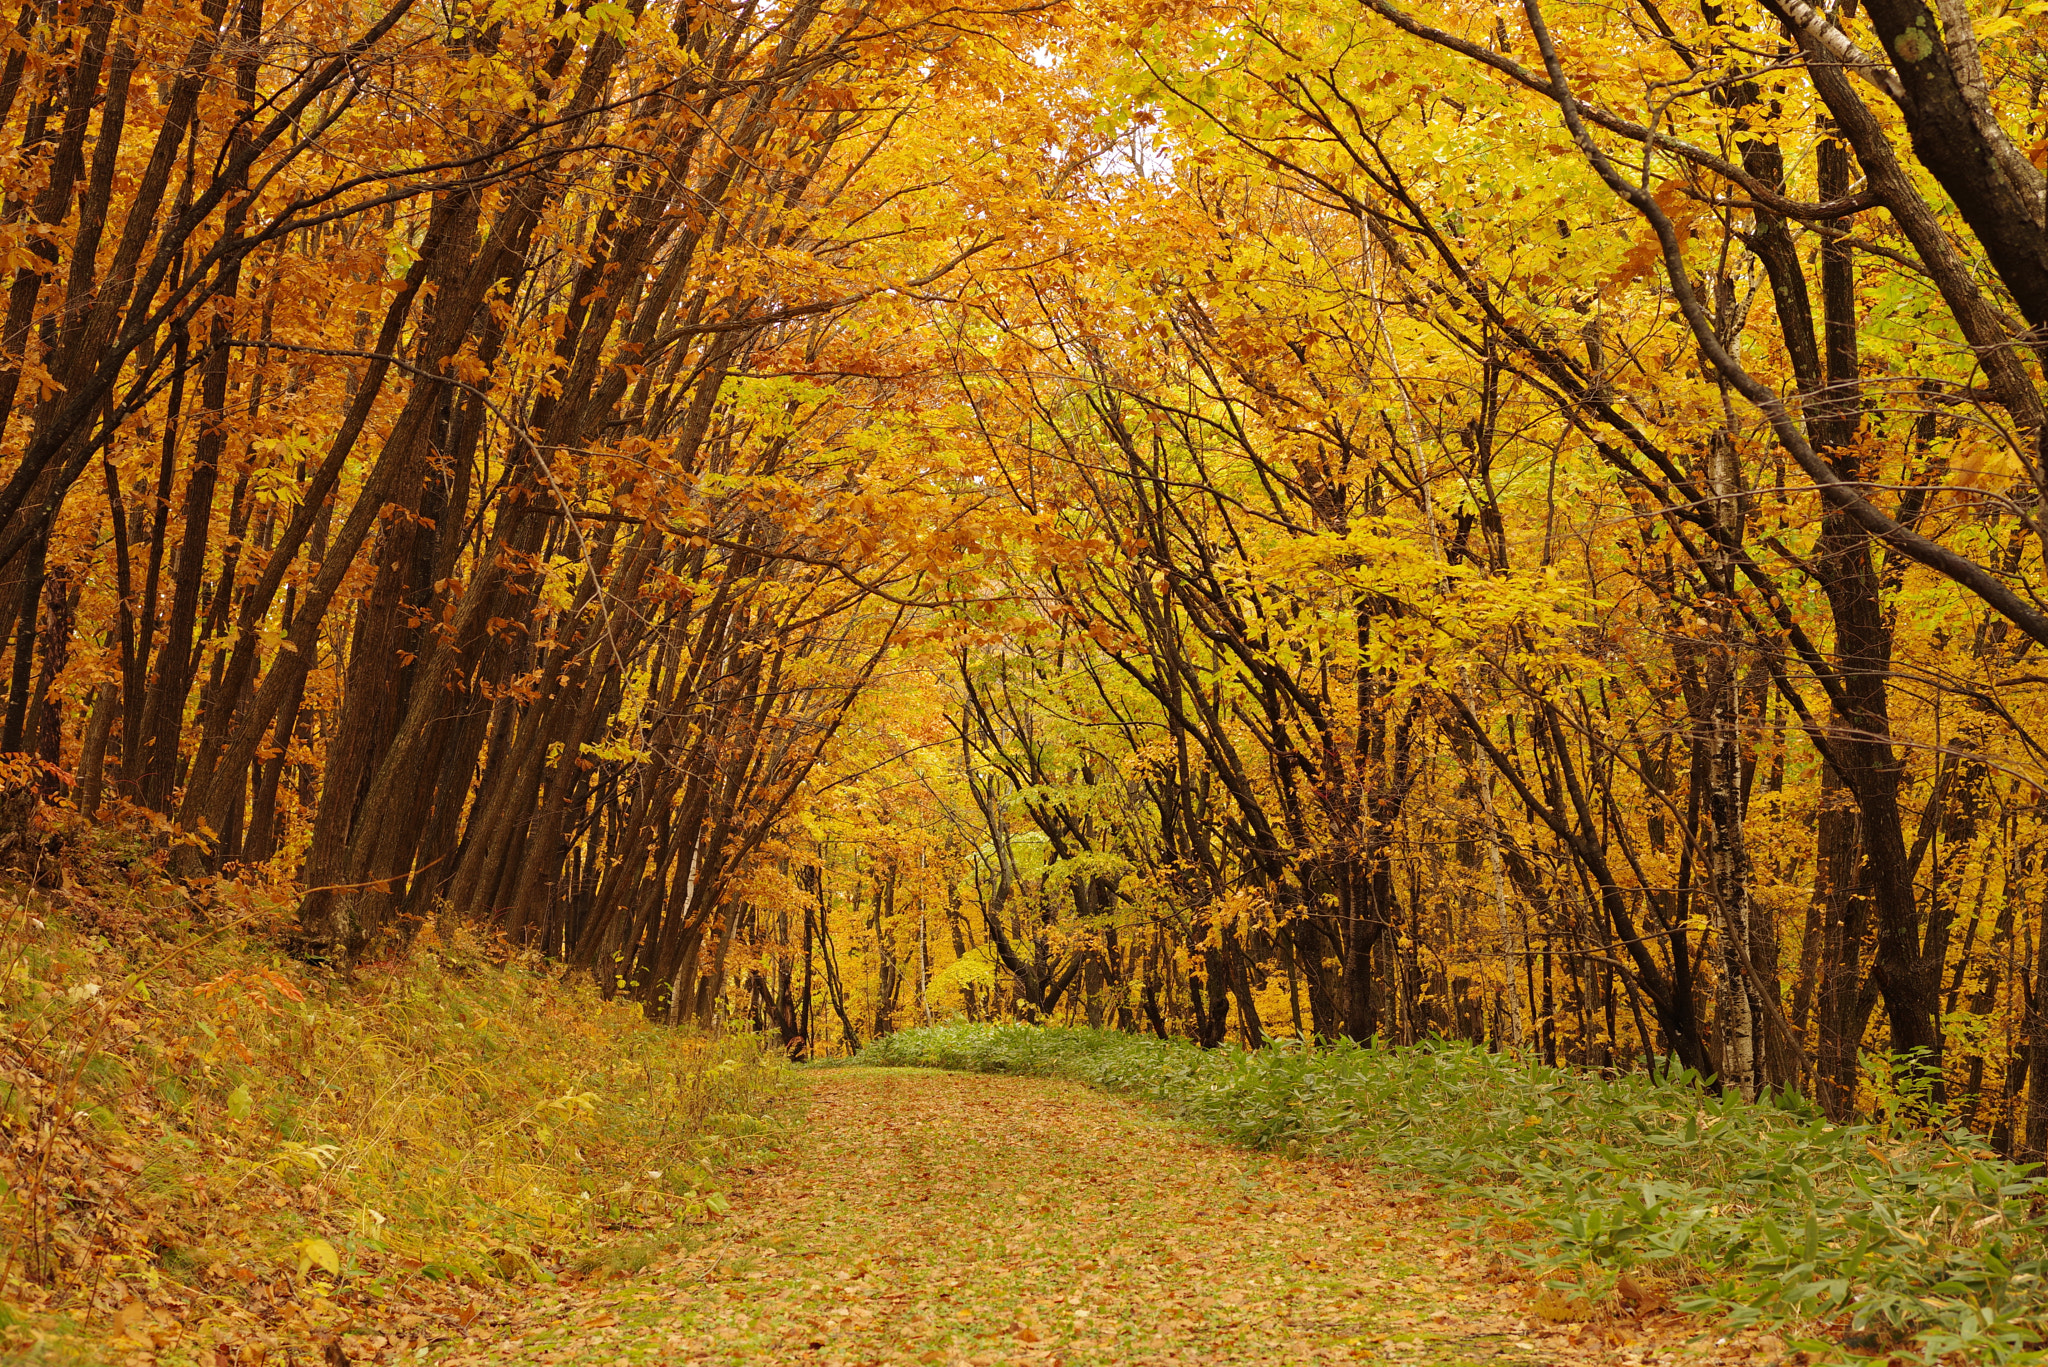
(317, 1253)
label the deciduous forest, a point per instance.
(1254, 525)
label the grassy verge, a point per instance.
(1756, 1212)
(214, 1153)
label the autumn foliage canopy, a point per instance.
(1519, 522)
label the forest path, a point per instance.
(927, 1217)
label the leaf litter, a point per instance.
(924, 1217)
(213, 1155)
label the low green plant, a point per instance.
(1755, 1212)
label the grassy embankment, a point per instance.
(1926, 1244)
(211, 1152)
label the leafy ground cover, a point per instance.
(923, 1217)
(1631, 1186)
(214, 1154)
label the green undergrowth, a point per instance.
(196, 1128)
(1758, 1212)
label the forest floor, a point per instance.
(926, 1217)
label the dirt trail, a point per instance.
(924, 1217)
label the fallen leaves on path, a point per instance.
(939, 1218)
